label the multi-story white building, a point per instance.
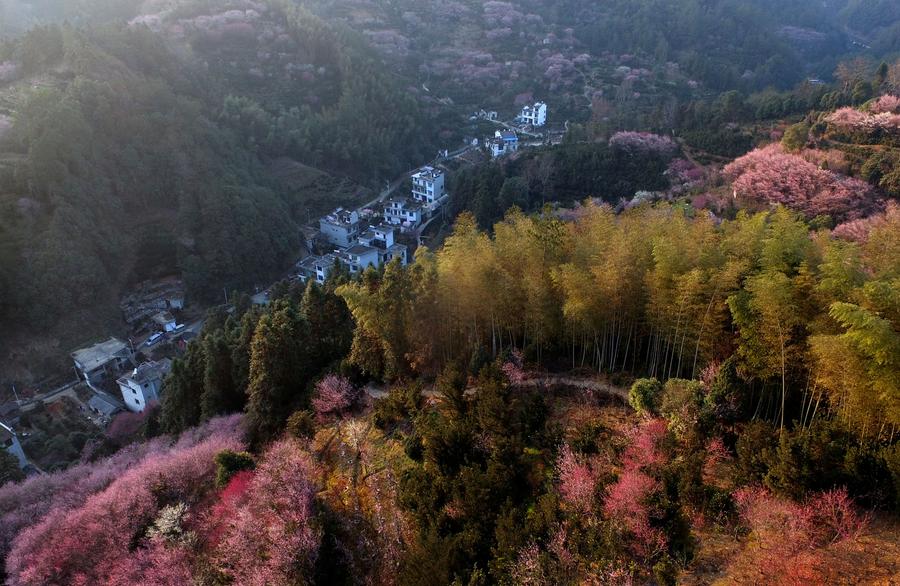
(428, 186)
(381, 238)
(535, 115)
(142, 385)
(401, 211)
(340, 227)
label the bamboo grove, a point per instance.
(810, 322)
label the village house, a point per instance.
(358, 258)
(11, 444)
(535, 115)
(382, 239)
(428, 186)
(401, 211)
(142, 385)
(97, 362)
(104, 405)
(323, 266)
(340, 227)
(503, 143)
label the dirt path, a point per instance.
(377, 391)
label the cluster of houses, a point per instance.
(113, 360)
(506, 142)
(358, 243)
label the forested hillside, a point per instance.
(129, 152)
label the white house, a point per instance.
(504, 142)
(358, 258)
(323, 266)
(143, 384)
(535, 115)
(382, 239)
(401, 211)
(340, 227)
(101, 360)
(428, 185)
(11, 444)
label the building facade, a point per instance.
(143, 385)
(535, 115)
(401, 211)
(340, 227)
(503, 143)
(428, 185)
(96, 363)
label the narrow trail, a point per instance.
(535, 380)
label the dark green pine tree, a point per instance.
(182, 391)
(279, 371)
(219, 392)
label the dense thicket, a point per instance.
(262, 360)
(653, 291)
(563, 174)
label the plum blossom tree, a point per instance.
(577, 482)
(785, 535)
(86, 544)
(334, 396)
(770, 176)
(643, 143)
(273, 537)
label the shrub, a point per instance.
(229, 462)
(644, 395)
(755, 448)
(301, 425)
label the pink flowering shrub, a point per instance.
(25, 504)
(886, 103)
(853, 119)
(859, 230)
(334, 396)
(770, 176)
(514, 368)
(577, 481)
(639, 143)
(628, 501)
(785, 535)
(273, 538)
(644, 450)
(86, 544)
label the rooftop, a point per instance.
(147, 372)
(407, 203)
(428, 173)
(99, 354)
(342, 217)
(358, 249)
(103, 404)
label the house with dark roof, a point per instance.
(100, 361)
